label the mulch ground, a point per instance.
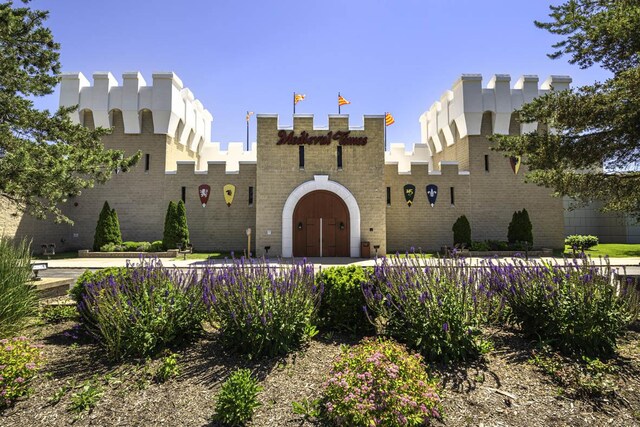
(503, 389)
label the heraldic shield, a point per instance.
(515, 163)
(229, 192)
(432, 194)
(203, 191)
(409, 193)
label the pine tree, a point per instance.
(182, 233)
(594, 151)
(44, 157)
(169, 237)
(115, 236)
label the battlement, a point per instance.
(211, 154)
(459, 110)
(335, 122)
(420, 155)
(174, 108)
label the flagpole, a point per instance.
(385, 131)
(247, 131)
(338, 102)
(294, 102)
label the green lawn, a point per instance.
(206, 255)
(58, 255)
(613, 250)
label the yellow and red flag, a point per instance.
(249, 114)
(388, 119)
(297, 97)
(342, 101)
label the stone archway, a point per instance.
(321, 182)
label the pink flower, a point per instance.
(30, 365)
(19, 380)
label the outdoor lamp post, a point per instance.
(249, 242)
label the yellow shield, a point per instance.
(229, 192)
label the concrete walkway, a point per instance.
(97, 263)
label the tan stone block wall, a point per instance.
(279, 174)
(498, 193)
(141, 198)
(10, 217)
(421, 226)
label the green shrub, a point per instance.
(480, 246)
(145, 309)
(238, 398)
(260, 309)
(58, 313)
(434, 310)
(107, 229)
(136, 246)
(156, 246)
(497, 245)
(581, 242)
(170, 236)
(18, 298)
(520, 228)
(111, 247)
(462, 232)
(168, 368)
(19, 363)
(342, 304)
(573, 307)
(378, 383)
(86, 398)
(182, 232)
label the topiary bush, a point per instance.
(182, 230)
(581, 242)
(262, 310)
(342, 304)
(238, 398)
(18, 299)
(107, 229)
(19, 364)
(520, 229)
(462, 232)
(378, 383)
(170, 236)
(143, 310)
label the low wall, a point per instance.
(85, 253)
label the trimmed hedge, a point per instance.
(581, 242)
(462, 232)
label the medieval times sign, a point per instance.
(343, 138)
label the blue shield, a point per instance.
(432, 194)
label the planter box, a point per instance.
(85, 253)
(534, 253)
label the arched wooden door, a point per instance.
(321, 226)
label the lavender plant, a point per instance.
(378, 383)
(435, 309)
(261, 309)
(574, 306)
(151, 308)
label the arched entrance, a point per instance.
(321, 225)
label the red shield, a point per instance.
(203, 191)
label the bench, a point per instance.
(48, 249)
(186, 249)
(36, 267)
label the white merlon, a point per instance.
(459, 111)
(175, 110)
(404, 159)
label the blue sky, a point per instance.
(382, 55)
